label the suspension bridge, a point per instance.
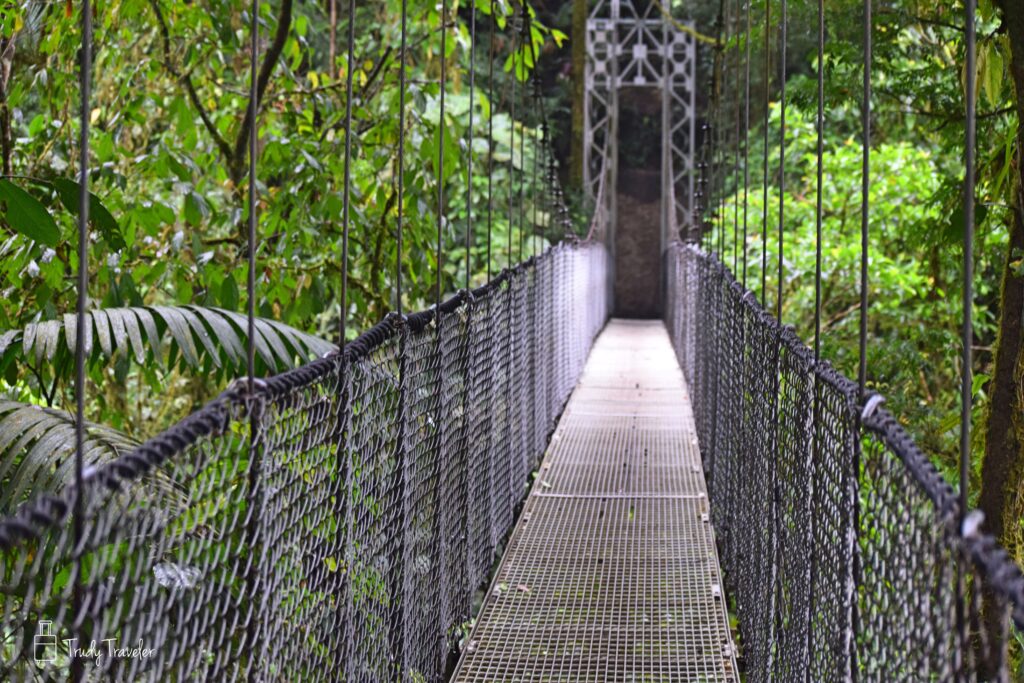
(515, 485)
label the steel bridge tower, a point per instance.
(631, 45)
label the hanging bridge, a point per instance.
(515, 485)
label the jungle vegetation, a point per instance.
(916, 218)
(168, 160)
(168, 181)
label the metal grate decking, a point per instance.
(611, 573)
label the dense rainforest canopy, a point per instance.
(169, 173)
(169, 167)
(916, 217)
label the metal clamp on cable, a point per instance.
(970, 527)
(871, 405)
(239, 388)
(397, 321)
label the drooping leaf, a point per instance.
(70, 193)
(27, 215)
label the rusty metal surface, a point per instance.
(611, 573)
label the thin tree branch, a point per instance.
(284, 23)
(186, 81)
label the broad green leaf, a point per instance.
(70, 193)
(992, 75)
(27, 215)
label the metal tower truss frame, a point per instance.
(631, 48)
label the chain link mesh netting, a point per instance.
(840, 541)
(334, 525)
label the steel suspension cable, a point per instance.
(440, 158)
(746, 139)
(767, 108)
(490, 141)
(347, 196)
(512, 149)
(718, 168)
(252, 533)
(536, 93)
(344, 457)
(522, 140)
(736, 153)
(967, 331)
(254, 38)
(469, 146)
(535, 236)
(865, 204)
(820, 152)
(396, 634)
(966, 381)
(782, 154)
(78, 527)
(863, 327)
(401, 156)
(815, 400)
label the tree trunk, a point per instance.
(579, 61)
(1002, 473)
(6, 64)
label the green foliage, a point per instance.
(916, 215)
(209, 339)
(168, 192)
(168, 179)
(37, 447)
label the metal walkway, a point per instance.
(611, 573)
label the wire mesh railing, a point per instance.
(332, 525)
(842, 545)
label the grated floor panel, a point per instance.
(611, 573)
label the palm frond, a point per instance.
(213, 339)
(37, 448)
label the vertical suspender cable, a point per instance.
(815, 403)
(780, 542)
(862, 370)
(533, 181)
(865, 203)
(440, 155)
(767, 107)
(512, 146)
(469, 150)
(968, 328)
(440, 445)
(397, 579)
(717, 168)
(782, 154)
(820, 151)
(346, 198)
(343, 459)
(78, 524)
(522, 136)
(723, 78)
(251, 282)
(401, 158)
(536, 143)
(253, 587)
(746, 140)
(736, 153)
(490, 141)
(966, 383)
(522, 172)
